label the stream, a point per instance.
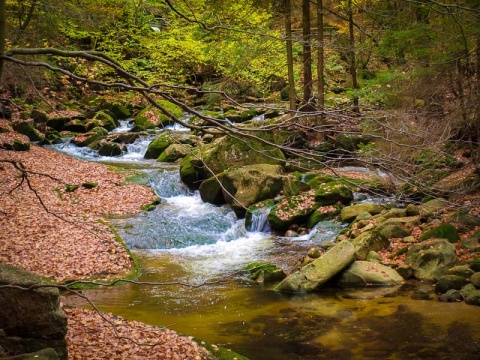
(187, 241)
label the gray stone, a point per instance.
(318, 272)
(461, 270)
(451, 295)
(431, 259)
(365, 273)
(45, 354)
(391, 231)
(405, 271)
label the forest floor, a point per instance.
(60, 235)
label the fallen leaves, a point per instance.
(59, 234)
(94, 336)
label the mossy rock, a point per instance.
(349, 213)
(248, 114)
(109, 149)
(94, 135)
(106, 120)
(120, 112)
(322, 213)
(158, 146)
(333, 192)
(443, 231)
(75, 125)
(211, 191)
(292, 210)
(19, 145)
(224, 153)
(263, 272)
(448, 282)
(174, 152)
(233, 116)
(472, 243)
(315, 180)
(27, 128)
(89, 185)
(151, 117)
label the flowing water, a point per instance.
(187, 241)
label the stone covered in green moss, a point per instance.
(263, 272)
(158, 146)
(292, 210)
(27, 128)
(442, 231)
(333, 192)
(174, 152)
(105, 120)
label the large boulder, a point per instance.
(223, 153)
(27, 128)
(433, 205)
(292, 210)
(247, 185)
(90, 138)
(30, 320)
(365, 273)
(333, 192)
(318, 272)
(109, 149)
(158, 146)
(349, 213)
(431, 259)
(174, 152)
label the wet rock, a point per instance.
(365, 273)
(431, 259)
(349, 213)
(448, 282)
(263, 272)
(75, 125)
(151, 117)
(473, 298)
(109, 149)
(291, 233)
(318, 272)
(93, 136)
(422, 292)
(451, 295)
(467, 290)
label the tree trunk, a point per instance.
(477, 115)
(3, 25)
(353, 70)
(307, 58)
(321, 58)
(288, 33)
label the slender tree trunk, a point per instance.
(3, 25)
(321, 59)
(288, 33)
(477, 115)
(353, 69)
(307, 58)
(22, 26)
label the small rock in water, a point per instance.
(291, 233)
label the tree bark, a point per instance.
(288, 33)
(353, 68)
(3, 34)
(321, 58)
(307, 58)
